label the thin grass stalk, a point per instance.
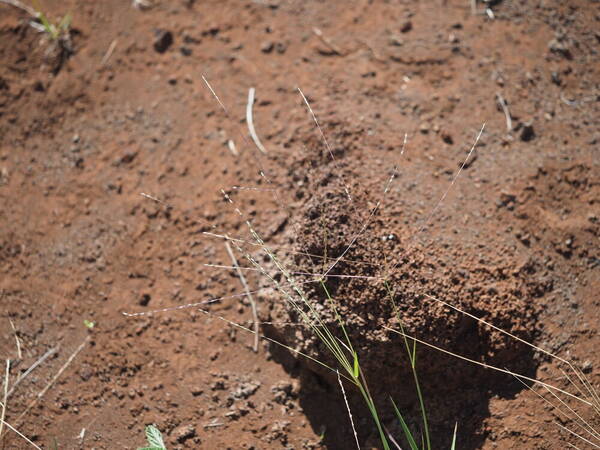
(412, 355)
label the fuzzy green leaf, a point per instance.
(154, 437)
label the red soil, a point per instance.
(83, 132)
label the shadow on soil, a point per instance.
(457, 393)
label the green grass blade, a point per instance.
(453, 446)
(373, 410)
(65, 22)
(422, 407)
(407, 433)
(356, 366)
(412, 356)
(50, 29)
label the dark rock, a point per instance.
(145, 299)
(280, 48)
(527, 133)
(406, 27)
(447, 138)
(125, 159)
(163, 40)
(38, 86)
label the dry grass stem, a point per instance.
(53, 380)
(231, 146)
(39, 361)
(19, 353)
(109, 52)
(334, 48)
(287, 249)
(250, 122)
(154, 199)
(3, 414)
(371, 214)
(488, 366)
(579, 421)
(209, 301)
(2, 422)
(248, 294)
(576, 435)
(348, 409)
(327, 146)
(504, 105)
(22, 6)
(591, 393)
(439, 203)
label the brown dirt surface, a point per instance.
(118, 107)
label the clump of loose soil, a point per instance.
(380, 274)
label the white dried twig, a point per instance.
(3, 414)
(19, 353)
(231, 146)
(109, 52)
(250, 121)
(248, 293)
(22, 6)
(504, 106)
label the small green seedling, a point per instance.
(154, 438)
(89, 324)
(323, 430)
(54, 30)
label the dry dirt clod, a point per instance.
(267, 47)
(246, 390)
(184, 432)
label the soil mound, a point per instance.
(381, 274)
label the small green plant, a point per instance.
(55, 30)
(89, 324)
(154, 438)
